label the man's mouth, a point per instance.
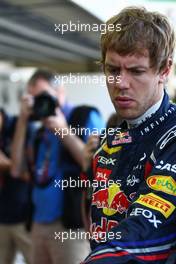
(123, 101)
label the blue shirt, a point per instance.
(48, 200)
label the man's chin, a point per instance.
(127, 114)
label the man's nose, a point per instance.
(124, 82)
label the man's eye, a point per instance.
(112, 71)
(137, 72)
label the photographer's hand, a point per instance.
(26, 107)
(56, 122)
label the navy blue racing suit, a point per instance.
(134, 193)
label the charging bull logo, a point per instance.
(121, 138)
(111, 200)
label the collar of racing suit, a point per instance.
(154, 121)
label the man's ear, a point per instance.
(165, 72)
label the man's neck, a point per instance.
(136, 122)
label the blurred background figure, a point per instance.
(14, 200)
(45, 158)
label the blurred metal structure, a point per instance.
(29, 35)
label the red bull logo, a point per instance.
(121, 138)
(98, 232)
(111, 200)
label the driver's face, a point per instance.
(139, 88)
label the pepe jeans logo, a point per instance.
(162, 183)
(132, 180)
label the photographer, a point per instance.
(47, 166)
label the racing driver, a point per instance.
(134, 211)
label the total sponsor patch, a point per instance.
(102, 174)
(155, 202)
(162, 183)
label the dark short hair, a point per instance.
(43, 74)
(140, 30)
